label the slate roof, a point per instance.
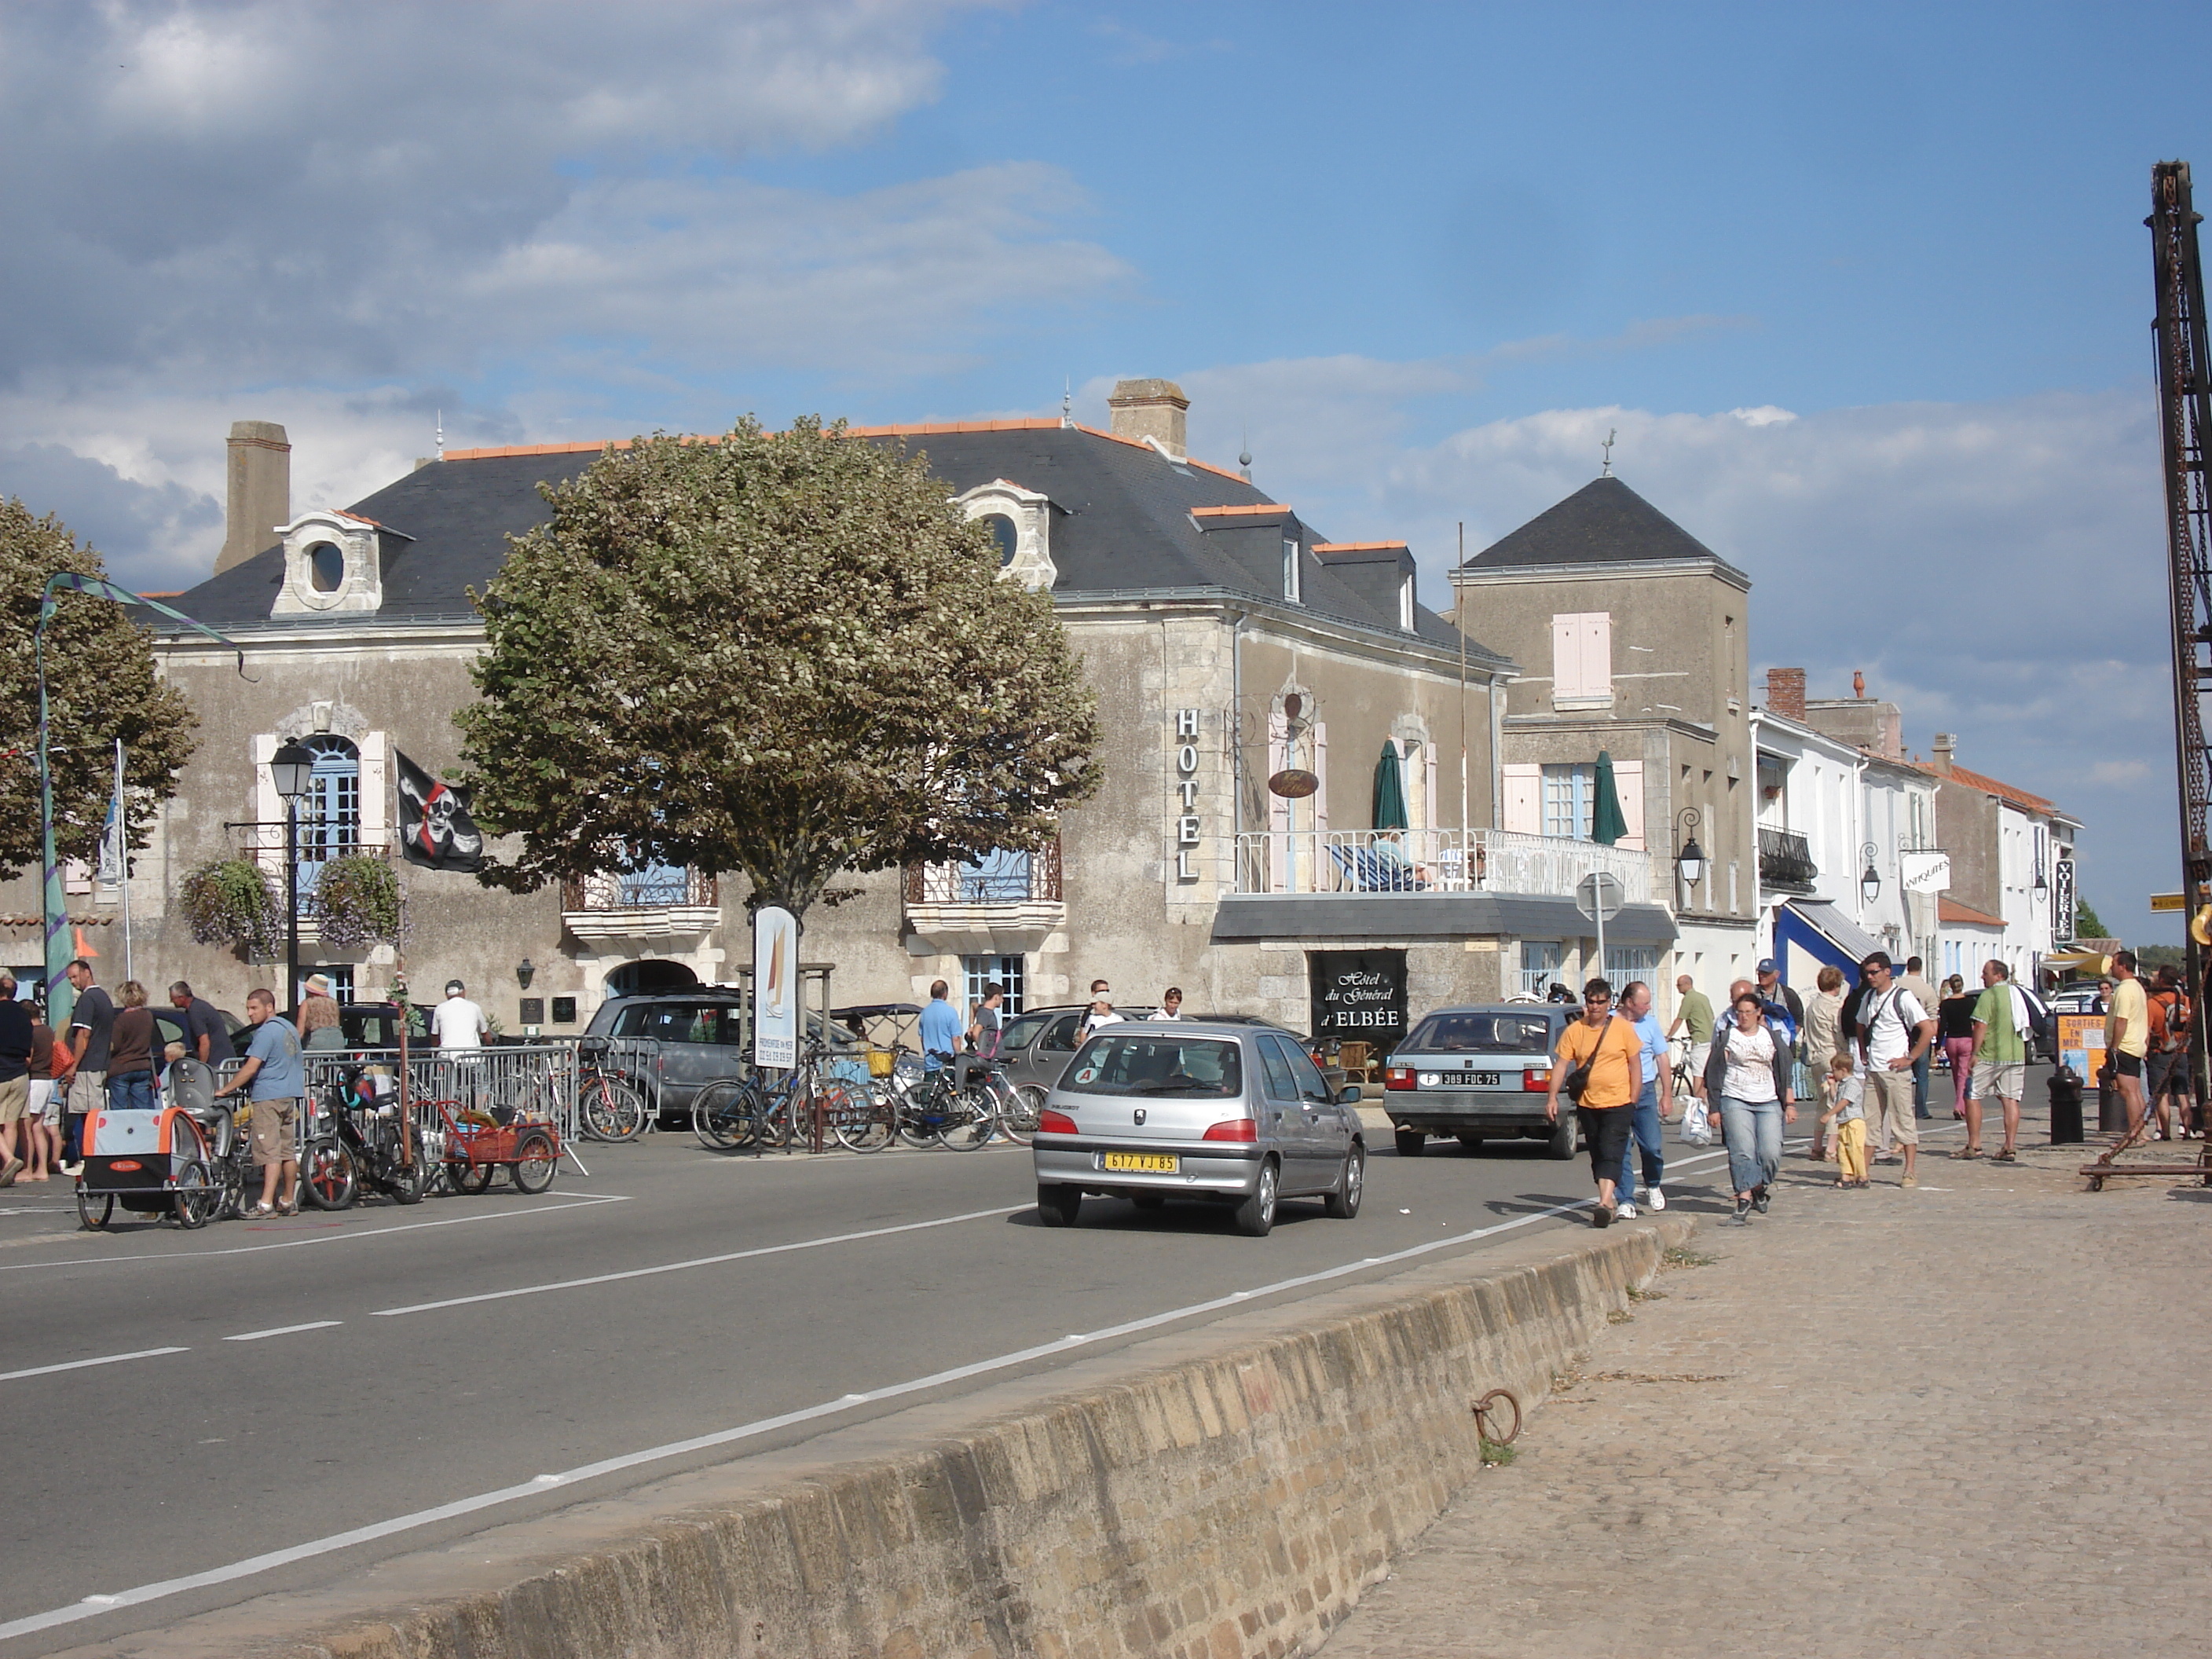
(1126, 518)
(1604, 522)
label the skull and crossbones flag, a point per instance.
(435, 829)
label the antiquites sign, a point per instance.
(1359, 995)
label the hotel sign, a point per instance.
(1188, 830)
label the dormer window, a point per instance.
(1006, 534)
(1020, 523)
(1406, 603)
(1290, 584)
(334, 562)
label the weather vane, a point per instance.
(1608, 447)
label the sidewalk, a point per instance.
(1962, 1420)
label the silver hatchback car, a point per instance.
(1225, 1114)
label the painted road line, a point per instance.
(79, 1365)
(701, 1262)
(284, 1330)
(92, 1607)
(346, 1237)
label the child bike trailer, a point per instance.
(153, 1163)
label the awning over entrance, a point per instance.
(1810, 934)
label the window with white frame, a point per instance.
(1581, 659)
(978, 973)
(1624, 963)
(1570, 794)
(1291, 583)
(1539, 965)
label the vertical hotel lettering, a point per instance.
(1186, 786)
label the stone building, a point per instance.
(1233, 646)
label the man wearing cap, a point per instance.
(1772, 989)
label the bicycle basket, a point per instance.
(882, 1062)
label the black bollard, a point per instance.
(2065, 1107)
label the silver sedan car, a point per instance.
(1225, 1114)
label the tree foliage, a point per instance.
(785, 654)
(2087, 923)
(100, 686)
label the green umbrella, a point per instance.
(1390, 791)
(1608, 823)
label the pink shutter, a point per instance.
(1628, 779)
(1279, 810)
(1596, 658)
(1566, 657)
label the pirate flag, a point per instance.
(435, 829)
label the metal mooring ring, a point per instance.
(1487, 1420)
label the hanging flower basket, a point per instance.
(356, 901)
(233, 902)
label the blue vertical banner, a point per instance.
(775, 986)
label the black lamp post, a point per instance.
(291, 768)
(1870, 882)
(1690, 862)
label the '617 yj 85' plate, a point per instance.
(1142, 1163)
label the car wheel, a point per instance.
(1473, 1143)
(1343, 1203)
(1410, 1142)
(1565, 1139)
(1255, 1216)
(1057, 1205)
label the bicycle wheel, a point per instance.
(970, 1122)
(921, 1112)
(612, 1111)
(772, 1116)
(723, 1115)
(1018, 1110)
(863, 1119)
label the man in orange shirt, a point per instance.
(1604, 1096)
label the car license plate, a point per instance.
(1143, 1162)
(1466, 1079)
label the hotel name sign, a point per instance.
(1185, 786)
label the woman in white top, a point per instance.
(1749, 1070)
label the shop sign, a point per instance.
(1358, 995)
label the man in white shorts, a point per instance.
(2000, 1060)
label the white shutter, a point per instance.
(1430, 752)
(268, 805)
(1582, 657)
(1597, 653)
(1628, 779)
(1566, 658)
(1321, 771)
(1522, 812)
(375, 788)
(1278, 758)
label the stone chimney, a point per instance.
(260, 475)
(1785, 692)
(1946, 745)
(1150, 409)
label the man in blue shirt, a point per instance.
(941, 1027)
(275, 1078)
(1645, 1137)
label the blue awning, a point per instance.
(1810, 934)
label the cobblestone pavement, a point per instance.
(1961, 1420)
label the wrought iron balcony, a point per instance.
(1785, 862)
(1430, 860)
(1007, 901)
(658, 907)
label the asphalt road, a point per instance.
(265, 1387)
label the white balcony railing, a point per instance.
(1431, 862)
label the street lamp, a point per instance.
(1870, 882)
(2042, 884)
(1690, 862)
(291, 768)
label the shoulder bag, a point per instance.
(1577, 1080)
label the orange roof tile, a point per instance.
(1260, 508)
(1028, 423)
(1946, 910)
(1988, 786)
(1355, 547)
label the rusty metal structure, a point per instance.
(2185, 407)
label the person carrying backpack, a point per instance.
(2168, 1070)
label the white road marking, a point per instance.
(318, 1238)
(79, 1365)
(284, 1330)
(539, 1485)
(697, 1261)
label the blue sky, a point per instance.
(1865, 291)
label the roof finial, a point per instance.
(441, 435)
(1244, 457)
(1608, 447)
(1068, 402)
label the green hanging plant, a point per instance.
(356, 901)
(233, 902)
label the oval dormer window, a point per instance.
(325, 566)
(1004, 536)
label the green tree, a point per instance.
(100, 685)
(785, 654)
(2086, 922)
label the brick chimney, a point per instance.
(1785, 692)
(1946, 745)
(1150, 409)
(260, 477)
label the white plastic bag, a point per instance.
(1697, 1124)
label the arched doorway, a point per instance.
(652, 975)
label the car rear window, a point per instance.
(1112, 1063)
(1021, 1028)
(1480, 1034)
